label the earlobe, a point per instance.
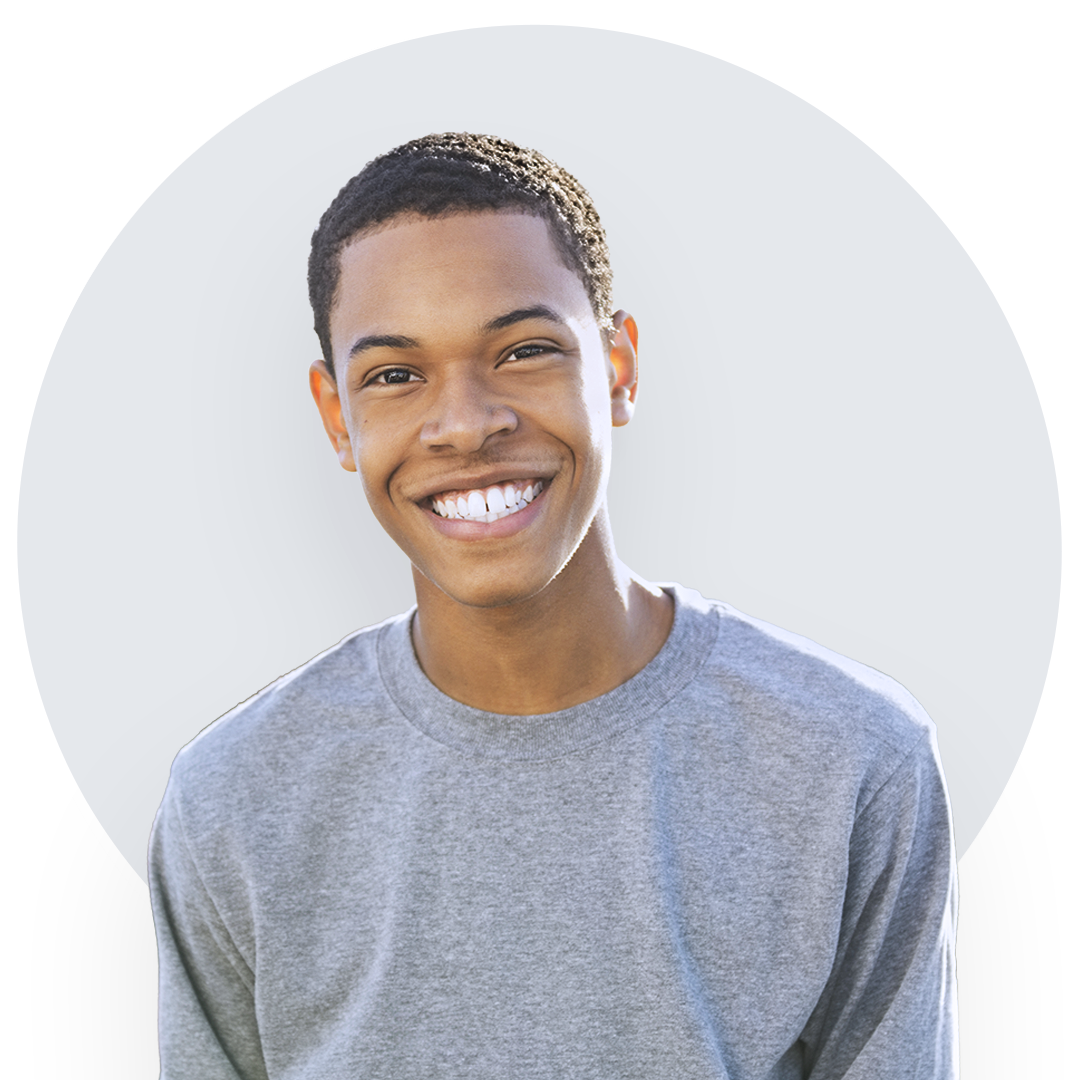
(324, 391)
(623, 372)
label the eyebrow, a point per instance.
(540, 311)
(382, 341)
(500, 322)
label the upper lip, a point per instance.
(494, 477)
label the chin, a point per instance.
(487, 591)
(490, 596)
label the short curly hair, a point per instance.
(454, 173)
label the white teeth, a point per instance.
(487, 505)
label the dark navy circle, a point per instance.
(838, 431)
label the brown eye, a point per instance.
(393, 377)
(527, 352)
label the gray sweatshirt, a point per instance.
(738, 864)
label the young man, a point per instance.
(556, 821)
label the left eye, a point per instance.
(527, 352)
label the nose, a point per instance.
(465, 415)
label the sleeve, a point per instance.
(206, 1007)
(888, 1011)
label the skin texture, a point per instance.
(467, 355)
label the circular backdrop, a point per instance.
(836, 430)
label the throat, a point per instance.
(525, 660)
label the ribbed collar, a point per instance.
(548, 735)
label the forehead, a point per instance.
(463, 267)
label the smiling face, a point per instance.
(475, 394)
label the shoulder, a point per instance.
(789, 697)
(301, 717)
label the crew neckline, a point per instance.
(548, 735)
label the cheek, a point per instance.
(587, 396)
(371, 464)
(364, 435)
(595, 388)
(596, 407)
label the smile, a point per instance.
(487, 504)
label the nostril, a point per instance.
(467, 429)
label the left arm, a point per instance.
(889, 1008)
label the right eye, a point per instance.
(392, 377)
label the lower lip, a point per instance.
(489, 530)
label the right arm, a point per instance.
(206, 1006)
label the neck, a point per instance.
(589, 630)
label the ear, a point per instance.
(622, 368)
(324, 391)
